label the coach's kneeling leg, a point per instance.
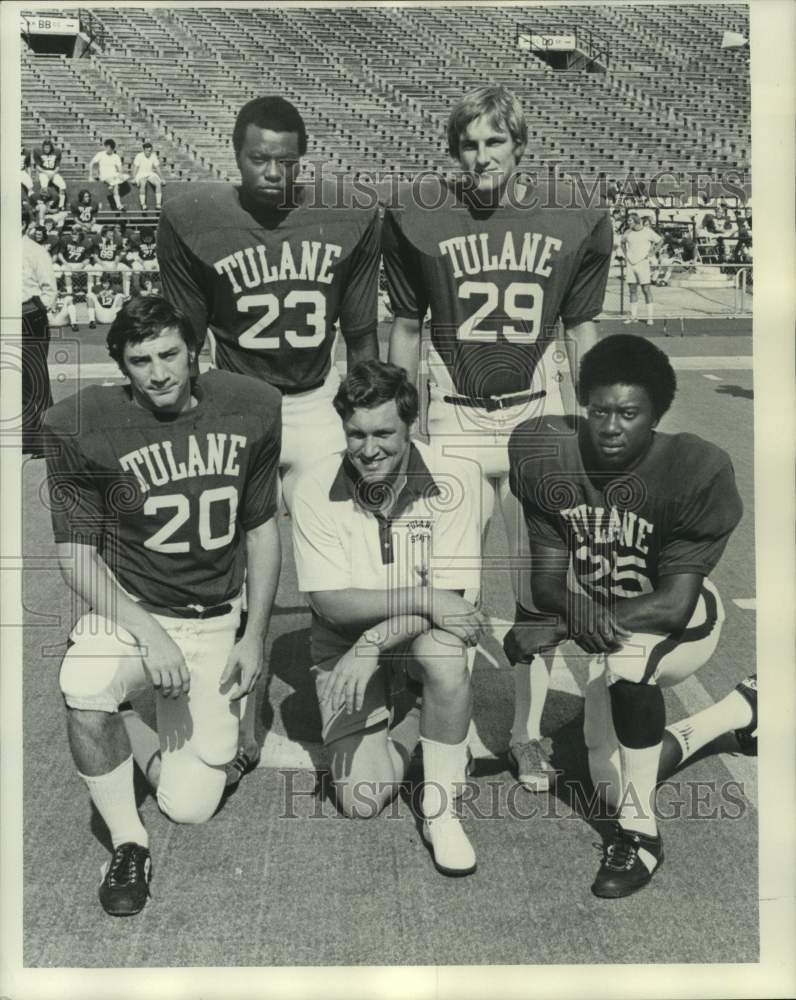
(441, 660)
(367, 770)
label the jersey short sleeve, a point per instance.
(583, 299)
(524, 471)
(76, 498)
(181, 278)
(405, 285)
(260, 495)
(321, 561)
(359, 301)
(702, 527)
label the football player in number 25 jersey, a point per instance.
(163, 494)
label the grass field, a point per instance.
(277, 878)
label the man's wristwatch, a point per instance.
(372, 637)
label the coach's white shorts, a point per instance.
(311, 427)
(198, 731)
(106, 315)
(639, 274)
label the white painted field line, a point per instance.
(713, 378)
(712, 363)
(745, 603)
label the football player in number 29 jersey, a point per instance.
(497, 272)
(163, 494)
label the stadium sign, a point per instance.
(50, 25)
(547, 43)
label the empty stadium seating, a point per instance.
(375, 85)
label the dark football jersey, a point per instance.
(74, 251)
(672, 512)
(108, 250)
(147, 248)
(496, 281)
(270, 293)
(84, 213)
(166, 501)
(47, 161)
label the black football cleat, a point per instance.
(244, 762)
(92, 325)
(125, 885)
(747, 737)
(623, 871)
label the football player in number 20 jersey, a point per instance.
(163, 494)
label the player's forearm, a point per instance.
(397, 630)
(405, 345)
(363, 348)
(663, 611)
(263, 563)
(87, 575)
(355, 608)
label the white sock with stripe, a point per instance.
(114, 798)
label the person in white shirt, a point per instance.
(110, 170)
(146, 170)
(638, 244)
(39, 292)
(386, 542)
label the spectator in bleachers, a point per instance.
(110, 171)
(108, 256)
(147, 247)
(638, 243)
(85, 210)
(74, 255)
(25, 176)
(48, 162)
(146, 173)
(104, 302)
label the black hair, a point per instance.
(142, 318)
(371, 383)
(109, 142)
(274, 113)
(626, 359)
(81, 192)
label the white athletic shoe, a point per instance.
(450, 847)
(629, 320)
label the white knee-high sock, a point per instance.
(605, 764)
(443, 773)
(145, 744)
(650, 310)
(531, 683)
(114, 797)
(640, 776)
(695, 732)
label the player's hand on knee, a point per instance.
(595, 629)
(245, 662)
(453, 614)
(346, 683)
(165, 664)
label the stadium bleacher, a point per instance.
(671, 98)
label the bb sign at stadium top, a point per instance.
(546, 42)
(50, 25)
